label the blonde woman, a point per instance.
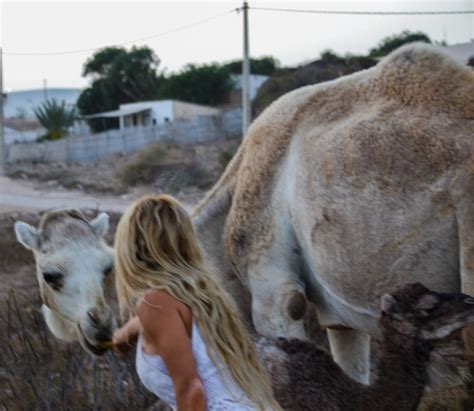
(193, 351)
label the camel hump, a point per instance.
(423, 75)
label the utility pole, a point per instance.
(2, 131)
(246, 112)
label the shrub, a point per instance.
(168, 168)
(55, 118)
(144, 166)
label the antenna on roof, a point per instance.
(45, 88)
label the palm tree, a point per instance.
(56, 118)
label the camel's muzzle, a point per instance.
(96, 331)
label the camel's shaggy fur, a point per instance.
(305, 377)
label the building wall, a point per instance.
(461, 52)
(189, 110)
(95, 147)
(142, 119)
(162, 111)
(256, 81)
(13, 136)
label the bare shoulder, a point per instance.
(156, 300)
(158, 304)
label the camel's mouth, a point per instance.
(88, 346)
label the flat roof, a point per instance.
(119, 113)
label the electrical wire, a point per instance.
(366, 13)
(197, 23)
(154, 36)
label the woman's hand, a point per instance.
(124, 338)
(120, 339)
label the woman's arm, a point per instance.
(165, 333)
(125, 337)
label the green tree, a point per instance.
(56, 118)
(391, 43)
(203, 84)
(266, 65)
(118, 76)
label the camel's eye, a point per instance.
(108, 270)
(54, 279)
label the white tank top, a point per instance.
(222, 393)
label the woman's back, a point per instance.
(221, 391)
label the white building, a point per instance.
(22, 104)
(256, 81)
(13, 136)
(149, 113)
(461, 52)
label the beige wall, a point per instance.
(188, 110)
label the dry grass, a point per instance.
(38, 372)
(168, 168)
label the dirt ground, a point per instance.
(167, 175)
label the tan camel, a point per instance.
(342, 191)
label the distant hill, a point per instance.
(22, 103)
(330, 66)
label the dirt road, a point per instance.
(20, 195)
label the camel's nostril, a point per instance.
(469, 300)
(103, 335)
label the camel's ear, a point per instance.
(388, 303)
(100, 224)
(27, 235)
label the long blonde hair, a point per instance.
(156, 248)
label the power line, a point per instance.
(367, 13)
(154, 36)
(197, 23)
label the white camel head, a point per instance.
(72, 262)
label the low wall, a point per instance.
(94, 147)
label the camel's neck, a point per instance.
(210, 215)
(209, 222)
(402, 374)
(209, 219)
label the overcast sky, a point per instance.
(40, 27)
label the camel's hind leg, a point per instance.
(351, 350)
